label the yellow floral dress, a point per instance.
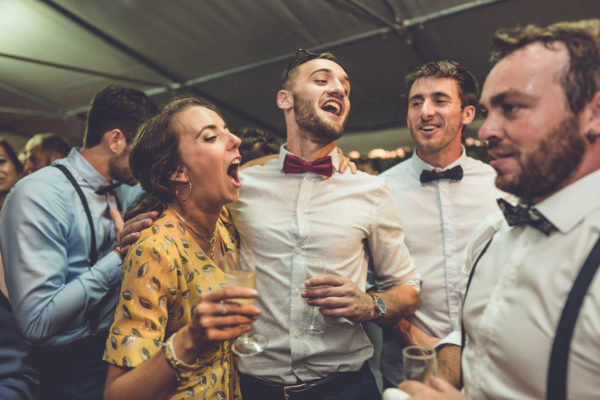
(163, 275)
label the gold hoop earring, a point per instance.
(189, 195)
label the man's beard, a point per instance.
(121, 171)
(308, 121)
(547, 167)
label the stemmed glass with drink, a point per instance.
(315, 321)
(241, 271)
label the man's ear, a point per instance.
(116, 140)
(179, 176)
(285, 100)
(468, 113)
(589, 119)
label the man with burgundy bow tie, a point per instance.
(314, 231)
(442, 195)
(530, 320)
(58, 238)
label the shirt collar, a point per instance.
(84, 169)
(335, 160)
(570, 205)
(419, 164)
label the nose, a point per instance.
(427, 109)
(236, 141)
(337, 89)
(490, 130)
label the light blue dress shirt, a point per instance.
(45, 241)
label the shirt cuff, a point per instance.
(451, 338)
(110, 268)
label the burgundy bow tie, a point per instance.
(295, 165)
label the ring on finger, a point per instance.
(222, 309)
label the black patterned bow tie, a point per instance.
(110, 189)
(454, 174)
(525, 215)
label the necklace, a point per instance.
(208, 239)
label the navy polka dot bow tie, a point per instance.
(454, 174)
(295, 165)
(525, 215)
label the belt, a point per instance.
(315, 388)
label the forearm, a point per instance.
(46, 303)
(153, 379)
(449, 357)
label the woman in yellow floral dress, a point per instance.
(174, 321)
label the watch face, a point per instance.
(380, 305)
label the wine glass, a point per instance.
(314, 325)
(419, 363)
(241, 271)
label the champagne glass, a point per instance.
(241, 271)
(419, 363)
(314, 325)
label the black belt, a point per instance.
(314, 389)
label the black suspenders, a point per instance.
(556, 381)
(93, 314)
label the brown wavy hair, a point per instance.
(155, 155)
(581, 77)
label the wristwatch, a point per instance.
(380, 308)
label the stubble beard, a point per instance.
(121, 173)
(308, 121)
(544, 169)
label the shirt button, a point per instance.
(448, 221)
(295, 333)
(452, 287)
(444, 189)
(298, 291)
(450, 254)
(298, 250)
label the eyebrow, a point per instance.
(501, 97)
(434, 94)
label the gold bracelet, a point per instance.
(182, 369)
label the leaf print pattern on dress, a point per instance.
(165, 274)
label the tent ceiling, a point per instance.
(55, 55)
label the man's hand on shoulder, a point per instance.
(130, 231)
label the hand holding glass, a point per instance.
(241, 271)
(419, 363)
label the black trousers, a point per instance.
(74, 371)
(359, 385)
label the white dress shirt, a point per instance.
(301, 225)
(517, 294)
(438, 218)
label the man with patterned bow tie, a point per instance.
(531, 325)
(57, 238)
(442, 195)
(314, 231)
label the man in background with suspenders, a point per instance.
(58, 242)
(532, 305)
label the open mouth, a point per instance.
(232, 172)
(333, 107)
(428, 128)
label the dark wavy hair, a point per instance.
(468, 90)
(12, 155)
(581, 77)
(116, 107)
(155, 155)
